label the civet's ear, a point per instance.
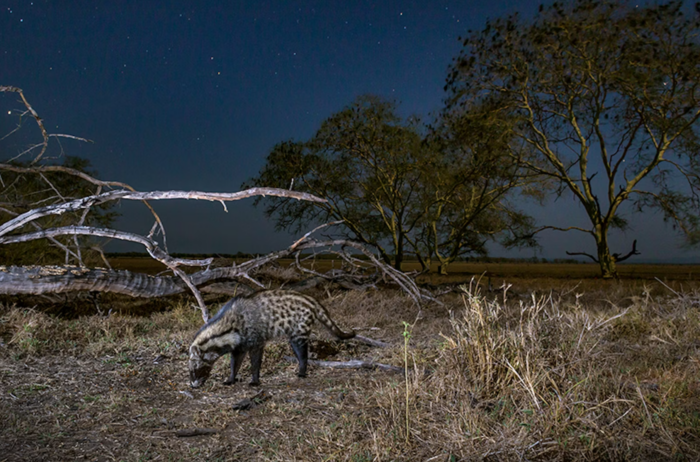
(195, 352)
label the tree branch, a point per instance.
(90, 201)
(584, 254)
(352, 364)
(634, 251)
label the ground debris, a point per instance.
(249, 403)
(187, 432)
(352, 364)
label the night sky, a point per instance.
(193, 95)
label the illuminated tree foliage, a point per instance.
(399, 191)
(600, 97)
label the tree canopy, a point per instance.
(395, 186)
(601, 97)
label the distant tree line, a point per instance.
(303, 255)
(593, 99)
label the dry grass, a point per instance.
(137, 264)
(547, 379)
(581, 372)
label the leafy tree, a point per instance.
(467, 193)
(393, 189)
(23, 189)
(600, 97)
(364, 162)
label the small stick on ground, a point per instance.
(249, 403)
(187, 432)
(370, 341)
(352, 364)
(665, 285)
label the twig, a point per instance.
(306, 236)
(102, 254)
(644, 404)
(352, 364)
(370, 341)
(193, 288)
(583, 254)
(664, 284)
(634, 251)
(195, 432)
(38, 120)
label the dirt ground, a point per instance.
(131, 407)
(116, 388)
(107, 388)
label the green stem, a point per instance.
(406, 339)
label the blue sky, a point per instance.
(193, 95)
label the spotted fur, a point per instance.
(245, 323)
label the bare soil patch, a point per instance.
(572, 370)
(130, 408)
(116, 388)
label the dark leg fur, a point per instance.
(256, 356)
(301, 350)
(236, 361)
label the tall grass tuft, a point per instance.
(549, 379)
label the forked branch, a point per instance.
(583, 254)
(44, 145)
(616, 256)
(634, 251)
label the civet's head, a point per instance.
(200, 366)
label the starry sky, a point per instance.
(193, 95)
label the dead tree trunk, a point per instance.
(120, 282)
(37, 280)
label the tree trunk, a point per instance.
(605, 259)
(398, 258)
(444, 263)
(55, 279)
(424, 264)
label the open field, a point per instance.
(558, 370)
(462, 271)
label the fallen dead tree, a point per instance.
(364, 268)
(36, 280)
